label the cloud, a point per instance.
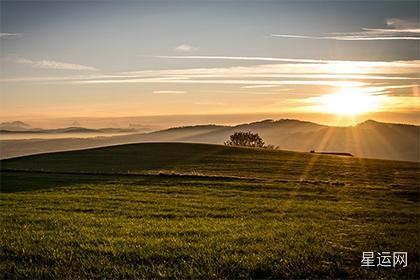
(402, 23)
(380, 77)
(259, 86)
(379, 71)
(2, 35)
(169, 91)
(292, 74)
(52, 64)
(334, 66)
(185, 48)
(368, 35)
(398, 29)
(238, 58)
(24, 61)
(226, 81)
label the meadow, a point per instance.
(196, 211)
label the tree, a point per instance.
(245, 139)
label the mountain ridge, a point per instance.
(71, 129)
(368, 139)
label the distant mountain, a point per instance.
(69, 130)
(14, 126)
(369, 139)
(144, 128)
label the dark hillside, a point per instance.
(218, 160)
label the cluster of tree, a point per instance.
(247, 139)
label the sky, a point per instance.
(334, 62)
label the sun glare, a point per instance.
(349, 101)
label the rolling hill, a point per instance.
(215, 160)
(369, 139)
(181, 210)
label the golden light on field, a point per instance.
(349, 101)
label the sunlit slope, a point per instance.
(216, 213)
(369, 139)
(218, 160)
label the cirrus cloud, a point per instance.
(397, 29)
(185, 48)
(169, 91)
(2, 35)
(52, 64)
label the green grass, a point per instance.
(205, 211)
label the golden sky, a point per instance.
(150, 59)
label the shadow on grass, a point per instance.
(11, 181)
(21, 180)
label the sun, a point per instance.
(349, 101)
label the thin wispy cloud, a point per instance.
(185, 48)
(9, 35)
(397, 29)
(169, 91)
(226, 82)
(344, 64)
(376, 77)
(323, 70)
(399, 23)
(367, 35)
(260, 86)
(291, 74)
(239, 58)
(52, 64)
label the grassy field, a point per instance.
(190, 211)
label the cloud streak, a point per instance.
(238, 58)
(384, 77)
(169, 91)
(52, 64)
(314, 63)
(227, 81)
(3, 35)
(355, 36)
(379, 71)
(397, 30)
(185, 48)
